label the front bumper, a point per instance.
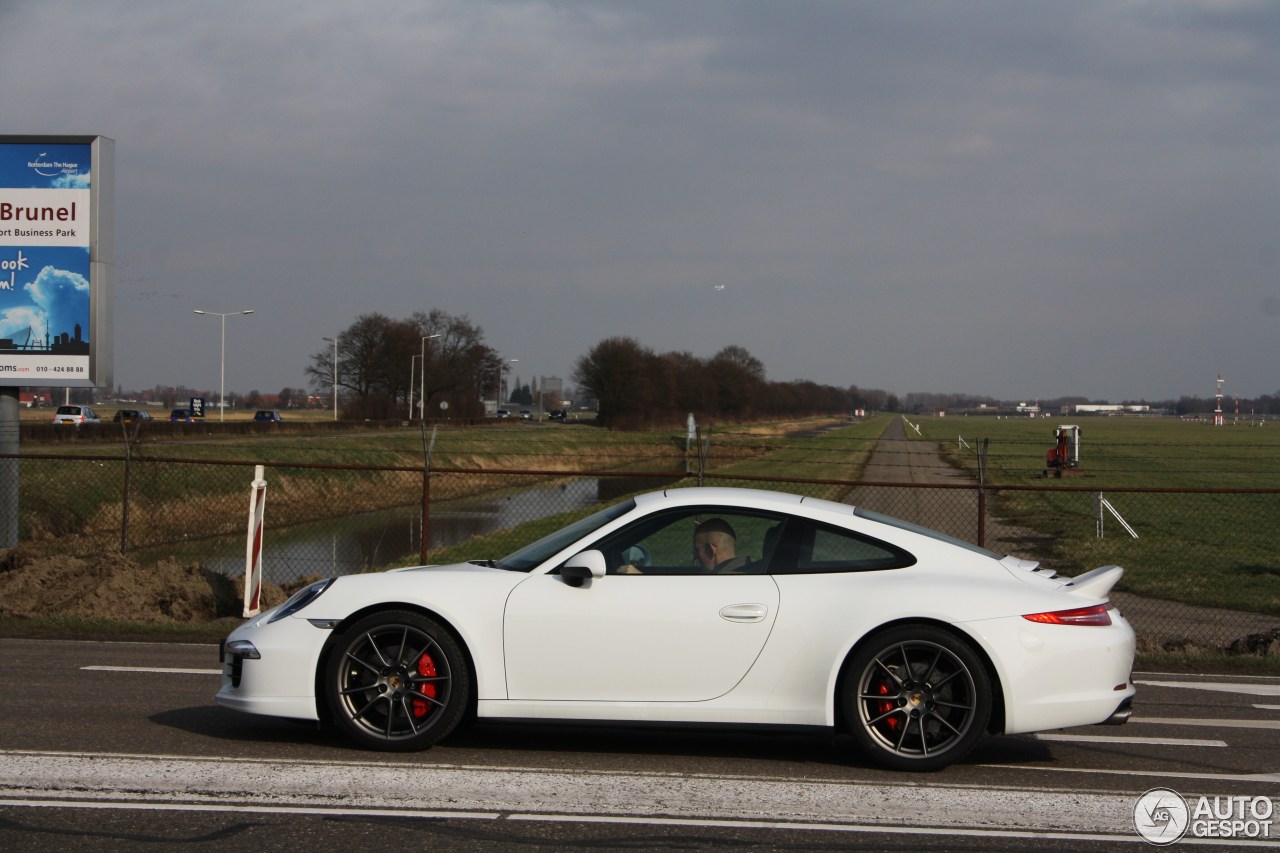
(280, 681)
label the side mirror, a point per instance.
(583, 567)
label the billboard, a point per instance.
(55, 260)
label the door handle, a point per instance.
(744, 612)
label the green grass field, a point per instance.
(1210, 548)
(1119, 452)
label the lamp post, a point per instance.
(509, 389)
(422, 379)
(222, 360)
(497, 392)
(334, 341)
(412, 359)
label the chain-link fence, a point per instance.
(1200, 565)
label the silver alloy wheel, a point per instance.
(397, 682)
(920, 701)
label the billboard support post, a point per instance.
(8, 468)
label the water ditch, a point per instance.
(374, 540)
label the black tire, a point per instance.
(916, 697)
(397, 681)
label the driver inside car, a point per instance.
(714, 549)
(715, 546)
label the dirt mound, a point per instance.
(111, 586)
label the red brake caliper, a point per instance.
(426, 667)
(885, 707)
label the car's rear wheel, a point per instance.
(916, 698)
(397, 681)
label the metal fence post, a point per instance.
(426, 514)
(124, 500)
(982, 492)
(427, 447)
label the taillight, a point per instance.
(1098, 614)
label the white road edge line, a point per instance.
(1207, 723)
(1215, 686)
(571, 795)
(1149, 741)
(161, 669)
(1273, 778)
(869, 829)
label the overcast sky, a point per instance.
(1015, 199)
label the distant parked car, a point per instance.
(502, 413)
(267, 416)
(526, 415)
(76, 415)
(131, 415)
(181, 416)
(557, 415)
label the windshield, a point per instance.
(531, 556)
(923, 531)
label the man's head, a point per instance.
(714, 542)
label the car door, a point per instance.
(635, 638)
(659, 626)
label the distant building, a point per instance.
(1112, 409)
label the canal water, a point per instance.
(373, 540)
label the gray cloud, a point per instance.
(1006, 198)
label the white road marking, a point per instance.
(161, 669)
(1217, 686)
(1184, 675)
(1273, 778)
(1215, 724)
(872, 829)
(564, 795)
(1150, 741)
(1267, 707)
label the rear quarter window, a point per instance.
(810, 547)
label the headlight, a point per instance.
(301, 599)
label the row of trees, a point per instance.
(379, 358)
(636, 386)
(382, 364)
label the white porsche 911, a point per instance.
(722, 607)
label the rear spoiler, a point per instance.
(1097, 583)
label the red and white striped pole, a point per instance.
(253, 545)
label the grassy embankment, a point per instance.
(77, 505)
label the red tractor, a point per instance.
(1063, 459)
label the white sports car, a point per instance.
(724, 607)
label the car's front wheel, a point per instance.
(916, 698)
(397, 681)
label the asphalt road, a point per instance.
(119, 745)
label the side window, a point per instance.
(692, 541)
(811, 547)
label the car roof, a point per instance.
(729, 496)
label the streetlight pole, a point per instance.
(510, 389)
(412, 359)
(422, 379)
(222, 360)
(334, 341)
